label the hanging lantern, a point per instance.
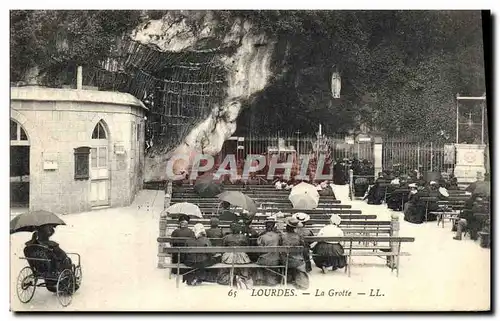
(336, 84)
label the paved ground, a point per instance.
(118, 248)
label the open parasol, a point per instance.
(304, 196)
(184, 208)
(239, 199)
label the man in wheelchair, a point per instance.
(59, 259)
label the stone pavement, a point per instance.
(119, 257)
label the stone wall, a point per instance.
(59, 120)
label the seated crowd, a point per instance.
(241, 233)
(418, 199)
(324, 188)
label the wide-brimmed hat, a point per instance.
(301, 217)
(335, 219)
(412, 185)
(292, 221)
(432, 182)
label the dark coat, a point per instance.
(62, 260)
(227, 215)
(198, 259)
(215, 233)
(180, 232)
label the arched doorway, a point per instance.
(19, 166)
(99, 166)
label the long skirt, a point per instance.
(329, 255)
(262, 276)
(307, 259)
(298, 277)
(61, 265)
(242, 273)
(266, 276)
(236, 258)
(413, 213)
(201, 274)
(175, 258)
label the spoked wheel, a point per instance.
(65, 287)
(26, 285)
(78, 277)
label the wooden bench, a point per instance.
(222, 249)
(349, 243)
(262, 199)
(271, 199)
(283, 209)
(371, 247)
(349, 227)
(316, 219)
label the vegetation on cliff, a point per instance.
(400, 69)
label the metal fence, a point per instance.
(405, 156)
(335, 147)
(402, 155)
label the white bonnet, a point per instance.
(335, 219)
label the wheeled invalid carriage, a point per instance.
(42, 271)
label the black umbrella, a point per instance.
(205, 186)
(33, 220)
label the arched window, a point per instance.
(99, 131)
(17, 134)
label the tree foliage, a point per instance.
(52, 40)
(412, 62)
(400, 69)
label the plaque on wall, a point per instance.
(50, 161)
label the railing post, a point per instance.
(418, 156)
(163, 222)
(432, 154)
(377, 155)
(394, 232)
(351, 184)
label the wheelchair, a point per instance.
(43, 271)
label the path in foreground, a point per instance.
(118, 248)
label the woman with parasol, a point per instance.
(41, 223)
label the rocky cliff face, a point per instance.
(247, 66)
